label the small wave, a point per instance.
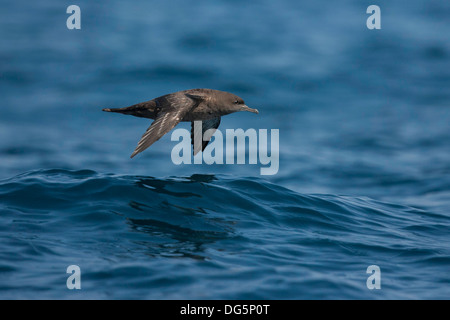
(248, 222)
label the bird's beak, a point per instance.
(246, 108)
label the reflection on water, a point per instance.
(181, 231)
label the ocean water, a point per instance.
(364, 169)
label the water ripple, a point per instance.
(213, 227)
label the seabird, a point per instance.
(206, 105)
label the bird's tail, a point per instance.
(127, 110)
(143, 110)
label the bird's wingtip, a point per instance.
(106, 109)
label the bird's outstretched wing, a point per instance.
(164, 122)
(173, 108)
(198, 131)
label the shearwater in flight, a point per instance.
(206, 105)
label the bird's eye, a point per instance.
(236, 102)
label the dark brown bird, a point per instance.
(206, 105)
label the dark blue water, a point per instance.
(364, 173)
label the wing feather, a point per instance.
(165, 122)
(198, 132)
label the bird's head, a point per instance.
(232, 103)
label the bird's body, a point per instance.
(206, 105)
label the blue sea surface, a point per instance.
(364, 169)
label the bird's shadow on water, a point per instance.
(177, 216)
